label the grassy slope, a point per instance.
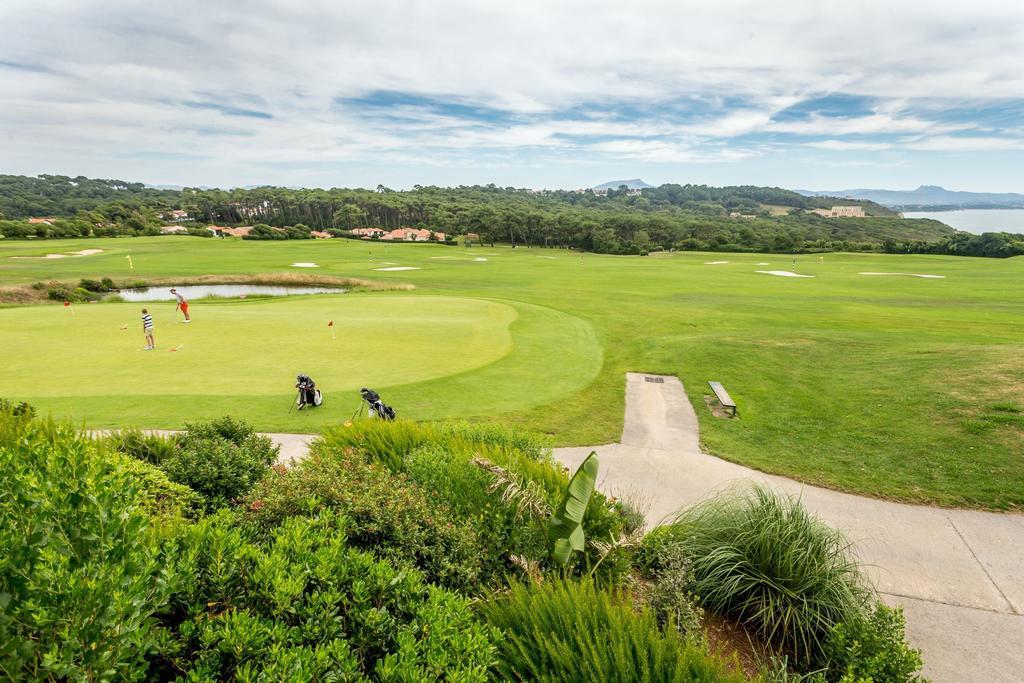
(856, 382)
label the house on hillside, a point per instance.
(369, 233)
(414, 235)
(173, 229)
(242, 231)
(176, 216)
(841, 212)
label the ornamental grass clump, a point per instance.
(573, 630)
(764, 560)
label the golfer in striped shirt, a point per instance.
(147, 329)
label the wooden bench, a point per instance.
(723, 396)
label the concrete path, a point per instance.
(959, 574)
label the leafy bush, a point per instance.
(221, 460)
(158, 495)
(305, 606)
(565, 630)
(97, 286)
(669, 596)
(151, 448)
(504, 530)
(871, 648)
(764, 560)
(79, 571)
(390, 515)
(441, 457)
(20, 409)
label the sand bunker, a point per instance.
(933, 277)
(714, 263)
(399, 268)
(762, 263)
(479, 259)
(550, 257)
(72, 254)
(304, 265)
(782, 273)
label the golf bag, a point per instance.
(308, 393)
(377, 407)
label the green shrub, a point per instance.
(504, 530)
(20, 409)
(79, 572)
(669, 595)
(221, 460)
(305, 606)
(151, 448)
(764, 560)
(871, 648)
(391, 516)
(158, 495)
(440, 457)
(571, 630)
(238, 432)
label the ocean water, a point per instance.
(977, 220)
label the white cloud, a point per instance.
(99, 82)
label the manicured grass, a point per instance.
(872, 384)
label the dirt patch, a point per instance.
(71, 254)
(732, 642)
(717, 409)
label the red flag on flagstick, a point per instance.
(67, 305)
(330, 324)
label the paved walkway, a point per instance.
(959, 574)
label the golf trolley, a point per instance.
(373, 405)
(308, 394)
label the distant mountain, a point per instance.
(634, 184)
(928, 196)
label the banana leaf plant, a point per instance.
(565, 528)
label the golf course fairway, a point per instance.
(899, 376)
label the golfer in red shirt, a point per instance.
(182, 304)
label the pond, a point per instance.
(224, 291)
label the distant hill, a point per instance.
(634, 184)
(928, 196)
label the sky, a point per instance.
(813, 94)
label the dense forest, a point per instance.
(688, 217)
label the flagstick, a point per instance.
(332, 333)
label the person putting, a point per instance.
(182, 304)
(147, 329)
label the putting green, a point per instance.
(438, 356)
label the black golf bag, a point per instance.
(377, 407)
(309, 395)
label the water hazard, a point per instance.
(223, 291)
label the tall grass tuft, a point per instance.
(765, 560)
(565, 630)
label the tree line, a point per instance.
(684, 217)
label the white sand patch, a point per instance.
(550, 257)
(444, 257)
(479, 258)
(398, 268)
(304, 264)
(715, 263)
(934, 277)
(782, 273)
(73, 254)
(763, 263)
